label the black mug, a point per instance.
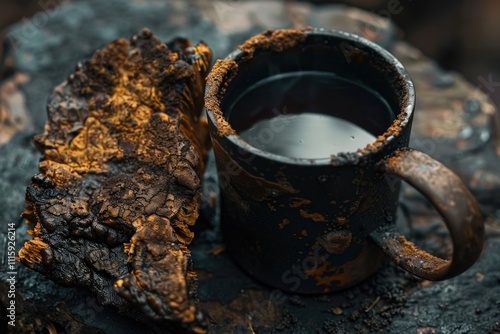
(321, 225)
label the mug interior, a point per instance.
(343, 54)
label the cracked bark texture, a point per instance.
(119, 181)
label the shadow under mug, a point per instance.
(321, 225)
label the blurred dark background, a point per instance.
(462, 35)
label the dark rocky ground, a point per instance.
(452, 124)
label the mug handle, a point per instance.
(449, 195)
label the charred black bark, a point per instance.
(120, 178)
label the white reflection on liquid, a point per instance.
(307, 135)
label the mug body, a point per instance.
(302, 225)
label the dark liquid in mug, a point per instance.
(309, 115)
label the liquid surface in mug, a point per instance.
(309, 115)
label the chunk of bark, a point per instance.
(119, 181)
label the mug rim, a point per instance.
(402, 120)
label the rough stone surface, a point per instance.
(389, 302)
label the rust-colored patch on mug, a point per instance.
(342, 220)
(283, 223)
(410, 251)
(273, 40)
(317, 217)
(336, 242)
(393, 131)
(219, 78)
(298, 202)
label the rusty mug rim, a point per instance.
(215, 88)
